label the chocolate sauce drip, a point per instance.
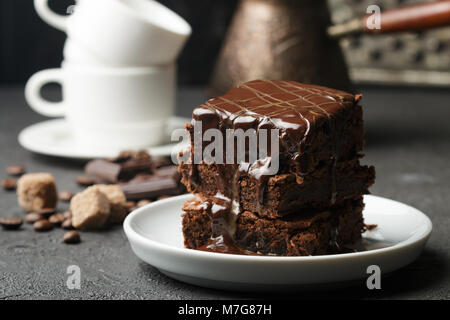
(333, 182)
(224, 244)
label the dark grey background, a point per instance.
(28, 44)
(408, 141)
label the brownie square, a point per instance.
(285, 193)
(315, 123)
(311, 205)
(309, 233)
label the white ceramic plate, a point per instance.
(155, 235)
(52, 138)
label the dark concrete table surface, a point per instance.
(408, 140)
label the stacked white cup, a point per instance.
(119, 71)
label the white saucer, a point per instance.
(53, 138)
(155, 235)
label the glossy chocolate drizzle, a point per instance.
(288, 106)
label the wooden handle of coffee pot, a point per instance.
(415, 17)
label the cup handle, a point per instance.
(34, 97)
(48, 15)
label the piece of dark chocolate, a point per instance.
(151, 186)
(169, 171)
(112, 172)
(159, 162)
(103, 171)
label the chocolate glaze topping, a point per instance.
(292, 108)
(288, 106)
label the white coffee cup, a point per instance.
(120, 107)
(75, 52)
(123, 32)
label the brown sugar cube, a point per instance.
(90, 209)
(37, 191)
(117, 202)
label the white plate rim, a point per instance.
(136, 236)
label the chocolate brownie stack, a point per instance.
(310, 205)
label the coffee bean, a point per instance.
(67, 224)
(141, 155)
(71, 237)
(11, 223)
(65, 196)
(15, 170)
(123, 156)
(33, 217)
(85, 181)
(46, 213)
(9, 184)
(67, 214)
(57, 219)
(42, 225)
(164, 197)
(130, 205)
(143, 203)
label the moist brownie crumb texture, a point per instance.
(313, 203)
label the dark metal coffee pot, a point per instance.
(294, 40)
